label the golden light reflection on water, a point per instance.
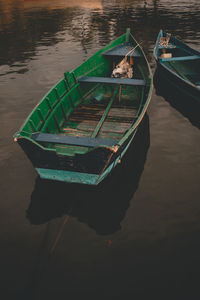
(25, 24)
(8, 6)
(63, 3)
(26, 4)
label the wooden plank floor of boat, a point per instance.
(85, 118)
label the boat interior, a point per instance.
(89, 108)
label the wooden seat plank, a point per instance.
(181, 58)
(72, 140)
(122, 50)
(110, 80)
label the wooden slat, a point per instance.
(75, 132)
(122, 112)
(100, 124)
(71, 140)
(112, 135)
(84, 120)
(114, 127)
(82, 126)
(109, 80)
(181, 58)
(122, 50)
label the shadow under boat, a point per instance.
(101, 208)
(185, 104)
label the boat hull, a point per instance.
(184, 88)
(88, 169)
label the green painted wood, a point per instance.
(109, 80)
(176, 70)
(68, 176)
(128, 32)
(94, 134)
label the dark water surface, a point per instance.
(138, 235)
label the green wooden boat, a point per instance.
(84, 125)
(178, 64)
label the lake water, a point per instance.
(138, 236)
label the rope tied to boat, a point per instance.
(164, 41)
(124, 69)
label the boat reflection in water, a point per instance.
(101, 208)
(177, 98)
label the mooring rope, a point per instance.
(164, 40)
